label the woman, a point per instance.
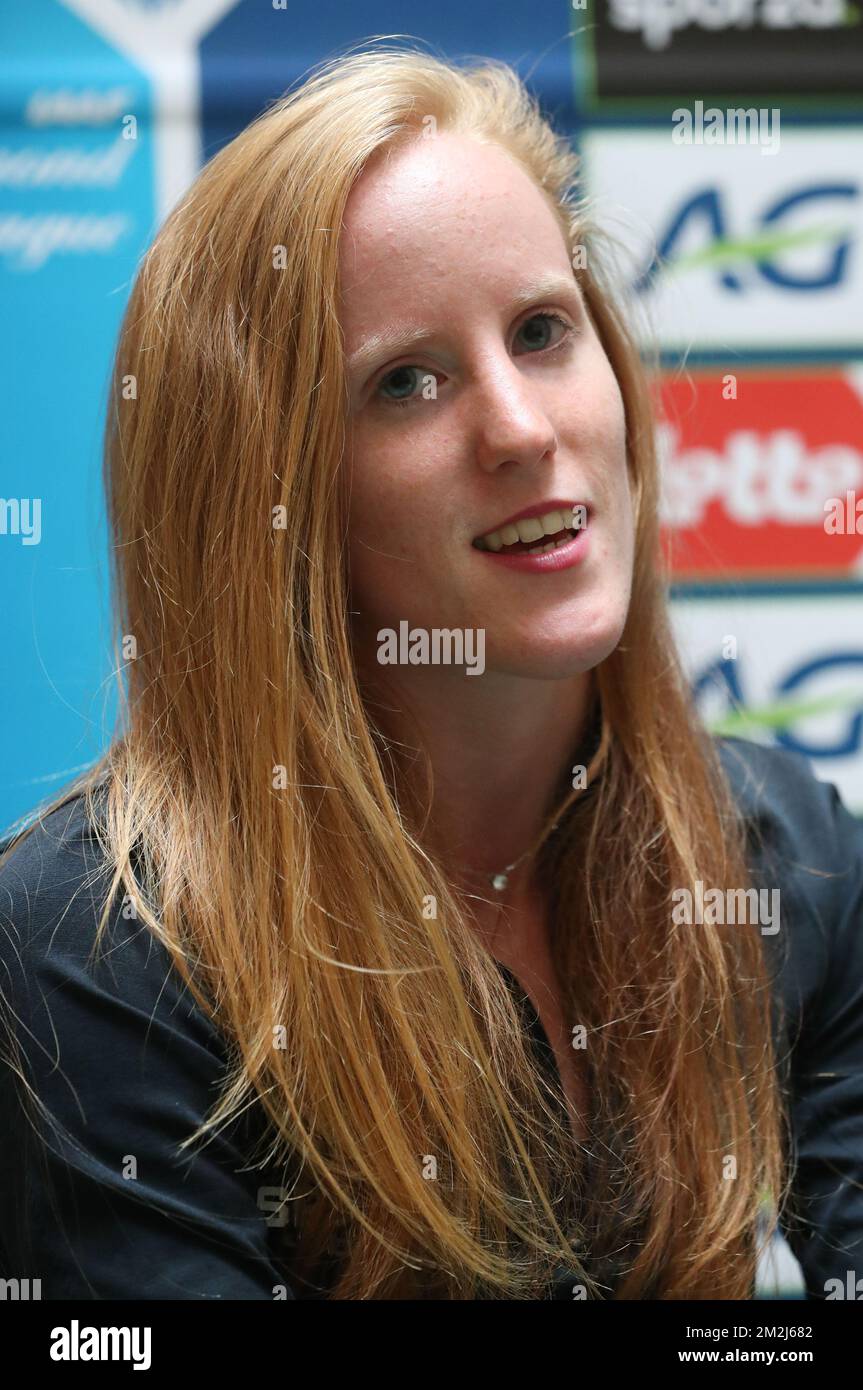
(390, 996)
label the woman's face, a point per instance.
(471, 403)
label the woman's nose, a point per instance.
(512, 422)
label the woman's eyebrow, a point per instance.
(384, 344)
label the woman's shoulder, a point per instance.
(55, 882)
(802, 837)
(111, 1065)
(49, 844)
(53, 862)
(807, 846)
(778, 789)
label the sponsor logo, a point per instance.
(793, 702)
(757, 470)
(781, 669)
(705, 217)
(639, 51)
(724, 251)
(659, 21)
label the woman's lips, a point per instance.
(572, 552)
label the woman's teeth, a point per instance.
(531, 528)
(552, 545)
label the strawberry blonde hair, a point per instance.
(277, 852)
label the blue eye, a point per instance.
(394, 374)
(544, 315)
(548, 317)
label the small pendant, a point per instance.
(499, 882)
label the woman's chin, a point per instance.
(546, 662)
(567, 646)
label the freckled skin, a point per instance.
(442, 234)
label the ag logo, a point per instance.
(735, 257)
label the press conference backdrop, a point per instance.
(722, 144)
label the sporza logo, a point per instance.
(659, 20)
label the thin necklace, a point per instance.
(500, 880)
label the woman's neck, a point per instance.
(499, 747)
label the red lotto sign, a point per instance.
(767, 482)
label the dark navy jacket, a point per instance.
(127, 1062)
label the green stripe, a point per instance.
(753, 248)
(783, 713)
